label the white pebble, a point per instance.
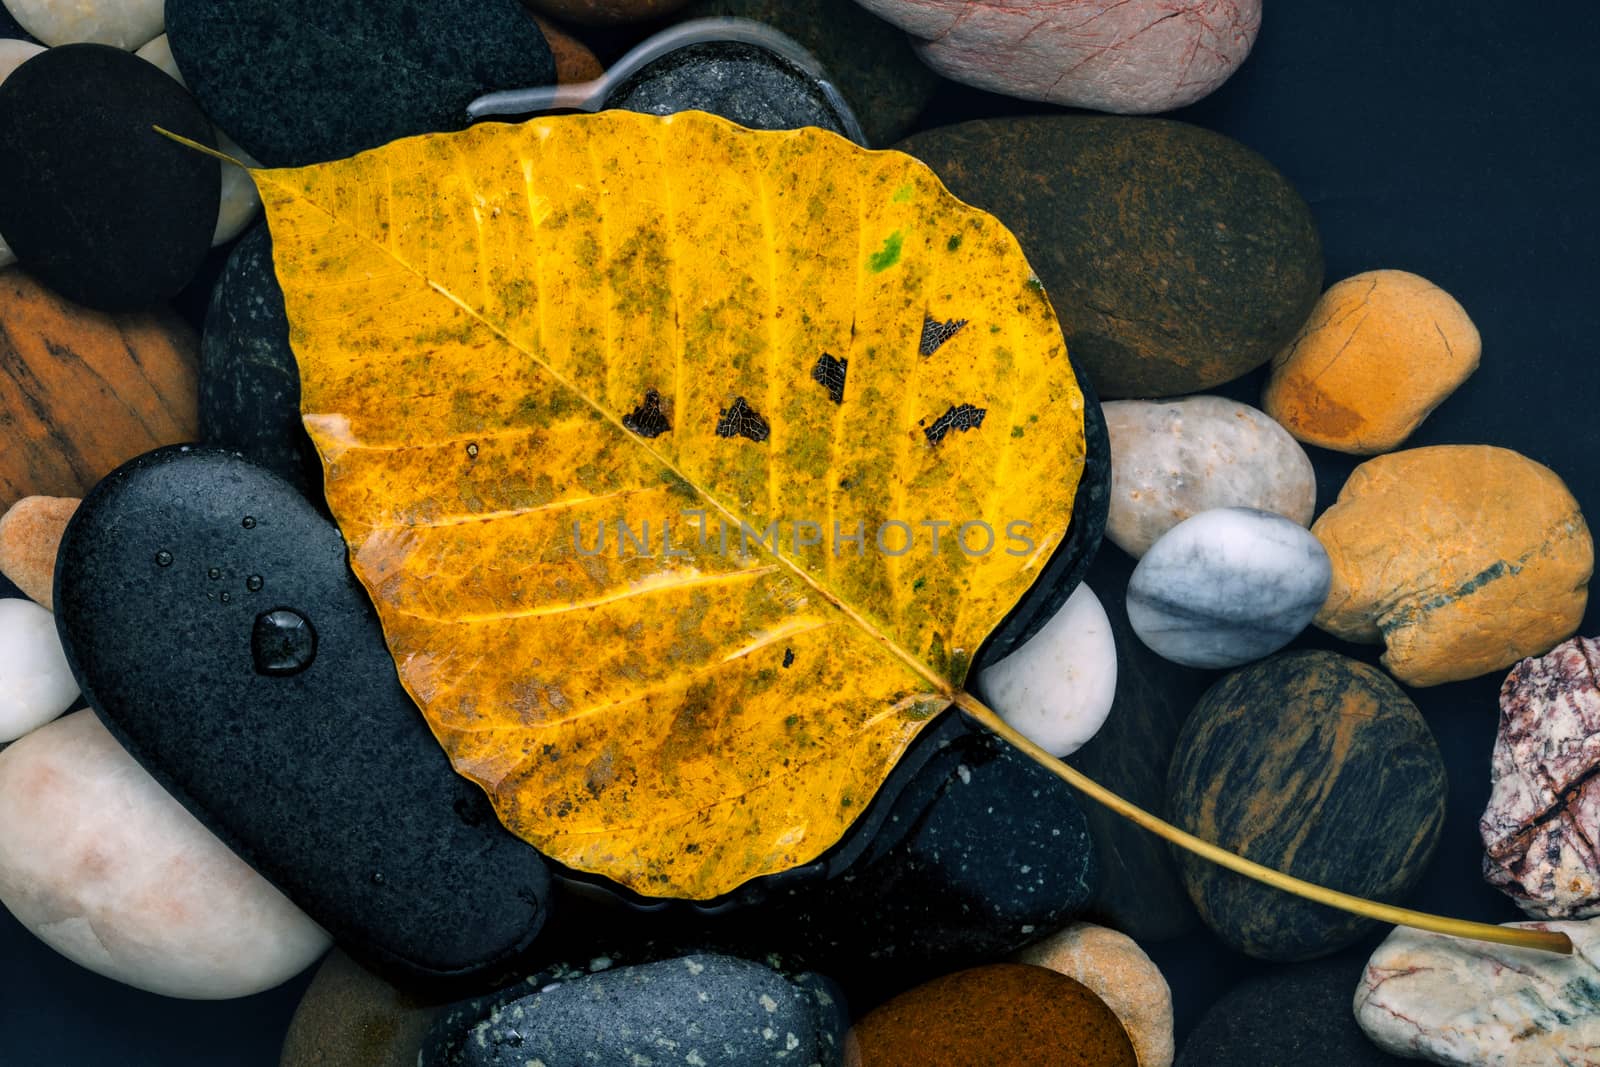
(98, 862)
(124, 24)
(36, 685)
(1058, 687)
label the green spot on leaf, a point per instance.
(902, 194)
(1016, 431)
(881, 261)
(954, 242)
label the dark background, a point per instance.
(1452, 139)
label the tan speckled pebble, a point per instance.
(30, 533)
(1380, 352)
(1114, 966)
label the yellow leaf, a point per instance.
(516, 337)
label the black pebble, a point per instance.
(707, 1009)
(327, 779)
(741, 82)
(1300, 1015)
(306, 81)
(95, 203)
(249, 380)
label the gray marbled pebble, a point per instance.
(1226, 587)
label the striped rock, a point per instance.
(1316, 765)
(81, 391)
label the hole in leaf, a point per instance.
(829, 373)
(788, 657)
(936, 333)
(742, 420)
(960, 417)
(647, 420)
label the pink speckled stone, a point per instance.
(1540, 828)
(1124, 56)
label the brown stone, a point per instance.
(30, 533)
(1117, 970)
(1380, 352)
(1462, 559)
(605, 12)
(1010, 1013)
(574, 61)
(81, 391)
(349, 1017)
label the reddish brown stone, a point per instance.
(1010, 1013)
(30, 534)
(605, 12)
(81, 391)
(1539, 828)
(574, 61)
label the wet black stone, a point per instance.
(1140, 891)
(1299, 1015)
(873, 63)
(1103, 206)
(740, 82)
(702, 1009)
(95, 203)
(980, 852)
(305, 81)
(328, 780)
(249, 380)
(1073, 557)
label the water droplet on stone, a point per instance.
(253, 583)
(227, 598)
(163, 558)
(214, 573)
(377, 877)
(283, 642)
(249, 522)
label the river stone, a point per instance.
(1139, 891)
(30, 535)
(1426, 996)
(1175, 257)
(1462, 559)
(1227, 586)
(1539, 827)
(82, 391)
(249, 380)
(1380, 351)
(284, 728)
(574, 60)
(1294, 1016)
(1129, 56)
(702, 1009)
(741, 82)
(11, 30)
(1171, 459)
(877, 71)
(1117, 970)
(605, 12)
(1312, 764)
(1010, 1013)
(389, 69)
(1057, 688)
(106, 868)
(349, 1017)
(36, 685)
(93, 202)
(124, 24)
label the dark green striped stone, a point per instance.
(1316, 765)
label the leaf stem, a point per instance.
(198, 147)
(1519, 937)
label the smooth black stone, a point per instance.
(327, 781)
(1073, 557)
(702, 1009)
(306, 81)
(982, 852)
(877, 70)
(740, 82)
(95, 203)
(249, 380)
(1300, 1015)
(1140, 891)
